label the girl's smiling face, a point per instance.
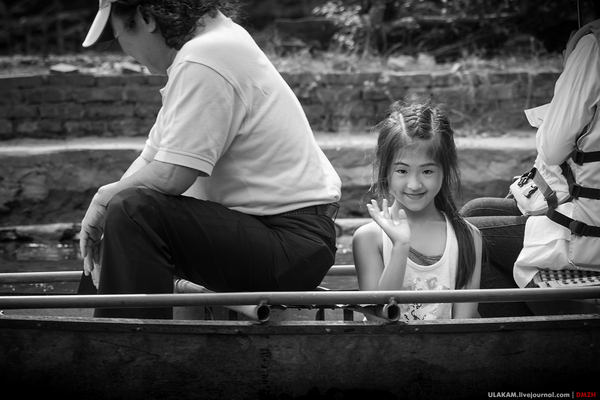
(416, 179)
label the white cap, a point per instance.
(99, 23)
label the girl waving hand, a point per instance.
(418, 240)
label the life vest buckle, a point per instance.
(531, 191)
(526, 177)
(575, 191)
(578, 157)
(578, 228)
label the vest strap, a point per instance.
(575, 190)
(547, 192)
(579, 191)
(576, 227)
(579, 157)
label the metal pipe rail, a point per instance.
(75, 276)
(40, 277)
(315, 298)
(260, 312)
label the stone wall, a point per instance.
(59, 106)
(47, 184)
(56, 185)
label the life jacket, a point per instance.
(577, 180)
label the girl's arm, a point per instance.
(469, 310)
(367, 247)
(366, 250)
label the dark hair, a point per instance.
(177, 19)
(412, 123)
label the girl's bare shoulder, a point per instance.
(367, 243)
(368, 232)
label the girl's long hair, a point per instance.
(177, 19)
(409, 123)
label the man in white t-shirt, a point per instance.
(231, 190)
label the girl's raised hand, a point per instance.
(394, 223)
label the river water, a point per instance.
(18, 256)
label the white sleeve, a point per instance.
(576, 96)
(199, 118)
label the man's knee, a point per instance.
(128, 202)
(473, 207)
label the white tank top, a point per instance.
(438, 276)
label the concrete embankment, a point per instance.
(50, 181)
(45, 187)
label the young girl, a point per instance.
(420, 242)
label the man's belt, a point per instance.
(329, 210)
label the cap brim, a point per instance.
(97, 26)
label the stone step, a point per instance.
(48, 181)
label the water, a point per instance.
(18, 256)
(37, 252)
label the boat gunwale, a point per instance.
(334, 327)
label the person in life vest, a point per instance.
(558, 227)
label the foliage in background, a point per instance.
(356, 27)
(449, 29)
(446, 29)
(43, 26)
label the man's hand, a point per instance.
(163, 177)
(90, 236)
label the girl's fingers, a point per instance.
(375, 207)
(399, 214)
(402, 214)
(395, 218)
(371, 211)
(385, 209)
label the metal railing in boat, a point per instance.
(381, 303)
(75, 276)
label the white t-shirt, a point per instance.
(229, 114)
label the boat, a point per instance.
(302, 345)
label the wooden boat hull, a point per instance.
(79, 357)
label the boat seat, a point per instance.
(546, 278)
(264, 313)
